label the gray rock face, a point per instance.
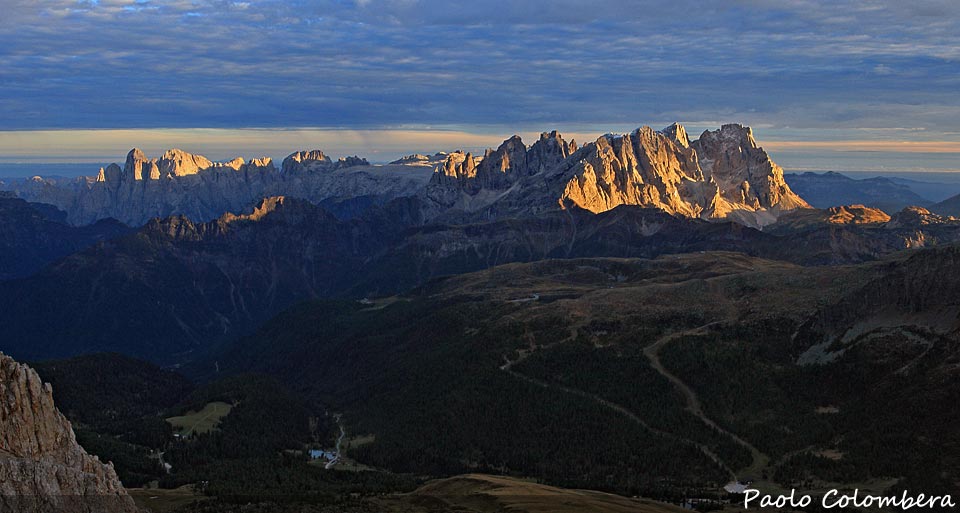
(305, 160)
(42, 468)
(505, 166)
(744, 172)
(179, 183)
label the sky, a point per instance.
(826, 85)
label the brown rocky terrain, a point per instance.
(841, 215)
(42, 468)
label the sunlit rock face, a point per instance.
(722, 175)
(42, 468)
(743, 170)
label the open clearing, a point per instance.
(202, 421)
(162, 501)
(479, 493)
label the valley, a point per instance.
(549, 326)
(497, 256)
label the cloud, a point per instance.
(371, 64)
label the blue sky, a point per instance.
(862, 73)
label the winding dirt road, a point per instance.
(626, 413)
(695, 406)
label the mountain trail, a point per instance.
(626, 413)
(695, 406)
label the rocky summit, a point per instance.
(42, 468)
(722, 175)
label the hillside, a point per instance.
(555, 348)
(947, 207)
(690, 354)
(32, 235)
(479, 493)
(175, 289)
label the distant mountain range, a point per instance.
(831, 189)
(722, 175)
(182, 284)
(179, 183)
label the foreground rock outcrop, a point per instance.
(42, 468)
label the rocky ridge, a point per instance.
(830, 189)
(841, 215)
(181, 183)
(42, 468)
(722, 175)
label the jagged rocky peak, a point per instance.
(305, 161)
(345, 162)
(641, 168)
(414, 158)
(139, 166)
(723, 175)
(501, 167)
(456, 169)
(237, 163)
(176, 162)
(549, 150)
(42, 468)
(678, 134)
(260, 164)
(505, 166)
(173, 163)
(111, 173)
(743, 171)
(805, 218)
(288, 210)
(264, 207)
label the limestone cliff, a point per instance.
(180, 183)
(42, 468)
(501, 168)
(722, 175)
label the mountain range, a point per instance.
(640, 314)
(832, 189)
(180, 183)
(723, 174)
